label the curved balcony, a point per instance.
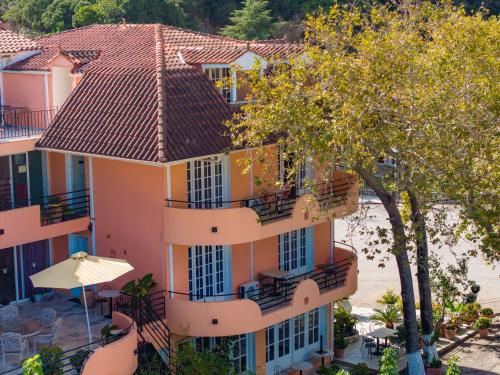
(253, 219)
(253, 311)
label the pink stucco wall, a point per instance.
(24, 90)
(128, 201)
(117, 358)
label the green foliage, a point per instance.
(32, 366)
(389, 298)
(254, 21)
(343, 372)
(344, 323)
(188, 360)
(486, 311)
(330, 369)
(360, 369)
(482, 323)
(470, 311)
(389, 362)
(59, 14)
(78, 359)
(51, 357)
(339, 342)
(388, 315)
(141, 287)
(436, 363)
(452, 368)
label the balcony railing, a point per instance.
(279, 204)
(329, 276)
(55, 208)
(21, 122)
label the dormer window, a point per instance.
(222, 74)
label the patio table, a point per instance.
(24, 327)
(109, 294)
(277, 275)
(381, 333)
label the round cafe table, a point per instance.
(381, 333)
(302, 366)
(109, 294)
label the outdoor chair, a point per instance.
(50, 338)
(9, 313)
(100, 300)
(368, 347)
(365, 339)
(13, 344)
(47, 317)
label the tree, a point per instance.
(254, 21)
(59, 14)
(366, 97)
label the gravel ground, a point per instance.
(479, 356)
(374, 281)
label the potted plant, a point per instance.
(32, 365)
(482, 325)
(339, 346)
(140, 288)
(450, 329)
(487, 312)
(470, 312)
(54, 209)
(434, 367)
(389, 315)
(79, 358)
(52, 360)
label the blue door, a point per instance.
(76, 244)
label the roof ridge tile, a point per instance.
(160, 68)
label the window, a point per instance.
(313, 327)
(205, 183)
(205, 271)
(293, 251)
(221, 75)
(299, 328)
(239, 356)
(284, 338)
(269, 344)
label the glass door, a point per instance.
(76, 244)
(293, 251)
(207, 272)
(7, 276)
(205, 183)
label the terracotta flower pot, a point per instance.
(489, 316)
(483, 332)
(339, 353)
(450, 333)
(433, 371)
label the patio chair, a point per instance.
(9, 313)
(48, 339)
(47, 317)
(365, 339)
(13, 344)
(368, 347)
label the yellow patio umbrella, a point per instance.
(79, 271)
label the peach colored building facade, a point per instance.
(233, 260)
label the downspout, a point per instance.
(92, 212)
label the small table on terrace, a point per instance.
(276, 274)
(381, 333)
(109, 294)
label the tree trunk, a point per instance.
(400, 251)
(424, 286)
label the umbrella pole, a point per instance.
(87, 314)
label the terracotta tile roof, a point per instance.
(139, 97)
(11, 42)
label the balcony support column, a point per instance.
(260, 352)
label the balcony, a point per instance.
(16, 122)
(44, 217)
(252, 219)
(249, 312)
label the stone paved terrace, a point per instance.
(74, 327)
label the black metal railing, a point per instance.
(55, 208)
(149, 314)
(329, 276)
(22, 122)
(66, 362)
(280, 204)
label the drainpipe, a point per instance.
(92, 212)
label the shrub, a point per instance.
(51, 357)
(486, 311)
(333, 369)
(389, 362)
(344, 323)
(360, 369)
(389, 298)
(78, 359)
(32, 366)
(471, 311)
(340, 342)
(140, 288)
(342, 372)
(453, 368)
(389, 315)
(482, 323)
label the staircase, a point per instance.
(153, 333)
